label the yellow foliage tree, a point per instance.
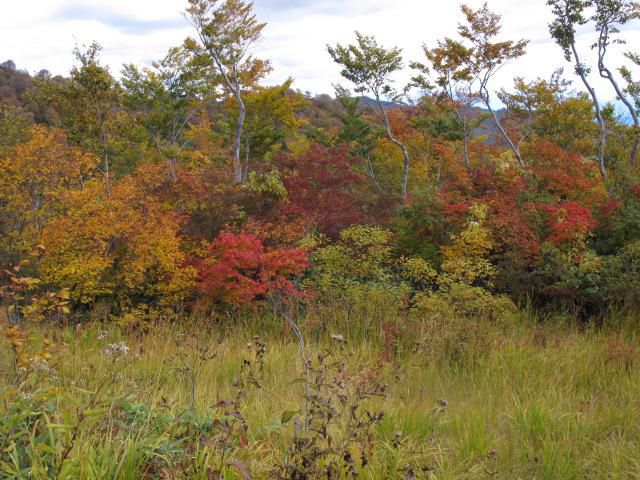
(124, 246)
(465, 260)
(36, 178)
(466, 276)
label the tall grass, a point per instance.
(472, 399)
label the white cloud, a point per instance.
(42, 33)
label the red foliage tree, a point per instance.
(239, 269)
(557, 198)
(568, 221)
(324, 189)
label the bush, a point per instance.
(570, 278)
(361, 255)
(623, 277)
(334, 431)
(239, 270)
(460, 300)
(123, 246)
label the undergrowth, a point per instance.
(429, 397)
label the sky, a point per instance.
(39, 34)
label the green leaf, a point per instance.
(59, 426)
(288, 415)
(94, 412)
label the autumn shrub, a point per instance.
(419, 274)
(559, 174)
(23, 297)
(556, 208)
(16, 290)
(37, 177)
(358, 276)
(569, 278)
(359, 273)
(239, 270)
(268, 184)
(466, 260)
(461, 300)
(334, 428)
(564, 203)
(324, 189)
(462, 289)
(361, 255)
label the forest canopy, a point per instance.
(192, 184)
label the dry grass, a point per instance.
(518, 401)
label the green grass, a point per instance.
(520, 401)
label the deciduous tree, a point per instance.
(488, 57)
(569, 15)
(609, 17)
(369, 66)
(168, 96)
(227, 30)
(450, 61)
(239, 270)
(37, 177)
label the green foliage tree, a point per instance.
(568, 16)
(272, 116)
(357, 132)
(168, 95)
(14, 126)
(89, 107)
(369, 67)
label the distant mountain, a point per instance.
(13, 82)
(385, 104)
(487, 127)
(323, 111)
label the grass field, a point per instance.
(465, 400)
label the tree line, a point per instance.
(192, 184)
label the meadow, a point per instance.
(464, 399)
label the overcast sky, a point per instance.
(39, 34)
